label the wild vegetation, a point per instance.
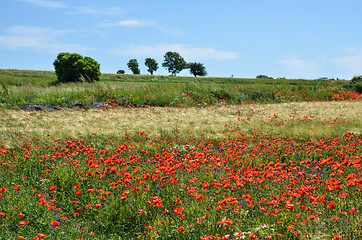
(19, 88)
(212, 159)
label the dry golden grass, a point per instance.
(211, 122)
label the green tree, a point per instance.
(151, 64)
(197, 69)
(120, 72)
(174, 63)
(263, 77)
(133, 66)
(356, 79)
(356, 84)
(73, 67)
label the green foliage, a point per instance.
(197, 69)
(73, 67)
(133, 66)
(358, 87)
(120, 72)
(263, 77)
(356, 79)
(151, 64)
(355, 84)
(174, 63)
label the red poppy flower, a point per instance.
(200, 197)
(55, 224)
(332, 205)
(353, 210)
(289, 206)
(40, 235)
(181, 229)
(147, 177)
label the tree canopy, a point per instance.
(263, 77)
(174, 63)
(73, 67)
(151, 64)
(133, 66)
(197, 69)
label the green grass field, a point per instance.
(20, 87)
(209, 158)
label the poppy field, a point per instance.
(275, 170)
(237, 184)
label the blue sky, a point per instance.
(279, 38)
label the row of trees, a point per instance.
(73, 67)
(173, 62)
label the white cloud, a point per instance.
(297, 67)
(189, 53)
(36, 38)
(351, 64)
(45, 3)
(129, 23)
(114, 11)
(134, 23)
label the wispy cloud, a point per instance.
(113, 11)
(298, 67)
(45, 3)
(140, 23)
(189, 53)
(351, 64)
(37, 38)
(129, 23)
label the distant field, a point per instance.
(44, 78)
(20, 87)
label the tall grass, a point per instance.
(307, 120)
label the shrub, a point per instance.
(356, 84)
(263, 77)
(356, 79)
(120, 72)
(73, 67)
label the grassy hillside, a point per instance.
(14, 77)
(23, 87)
